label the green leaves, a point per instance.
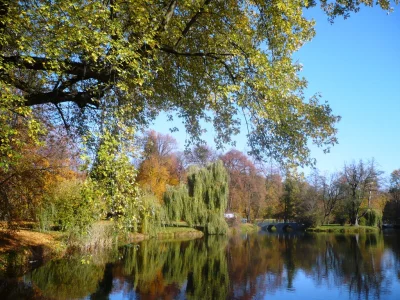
(204, 200)
(215, 61)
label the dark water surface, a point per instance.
(259, 266)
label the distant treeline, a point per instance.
(52, 185)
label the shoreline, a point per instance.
(25, 249)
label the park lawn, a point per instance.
(244, 228)
(247, 228)
(336, 228)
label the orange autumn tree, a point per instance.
(274, 192)
(35, 169)
(160, 165)
(247, 190)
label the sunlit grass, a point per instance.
(342, 228)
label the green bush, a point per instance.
(363, 221)
(68, 207)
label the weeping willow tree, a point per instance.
(203, 202)
(152, 215)
(176, 199)
(208, 189)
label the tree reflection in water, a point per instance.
(249, 267)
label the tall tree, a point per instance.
(309, 209)
(160, 145)
(191, 57)
(34, 172)
(246, 185)
(160, 165)
(274, 191)
(395, 184)
(291, 196)
(257, 204)
(201, 155)
(333, 189)
(361, 179)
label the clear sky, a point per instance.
(355, 65)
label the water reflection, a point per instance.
(263, 266)
(161, 270)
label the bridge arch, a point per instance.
(287, 227)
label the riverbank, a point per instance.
(335, 228)
(24, 249)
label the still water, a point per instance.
(259, 266)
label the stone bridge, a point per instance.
(280, 226)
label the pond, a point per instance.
(258, 266)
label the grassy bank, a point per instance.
(244, 228)
(179, 233)
(343, 229)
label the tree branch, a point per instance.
(82, 99)
(214, 55)
(74, 68)
(168, 15)
(192, 21)
(66, 125)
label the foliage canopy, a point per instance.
(196, 58)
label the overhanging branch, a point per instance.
(214, 55)
(81, 70)
(82, 99)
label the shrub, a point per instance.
(68, 207)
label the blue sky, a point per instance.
(355, 65)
